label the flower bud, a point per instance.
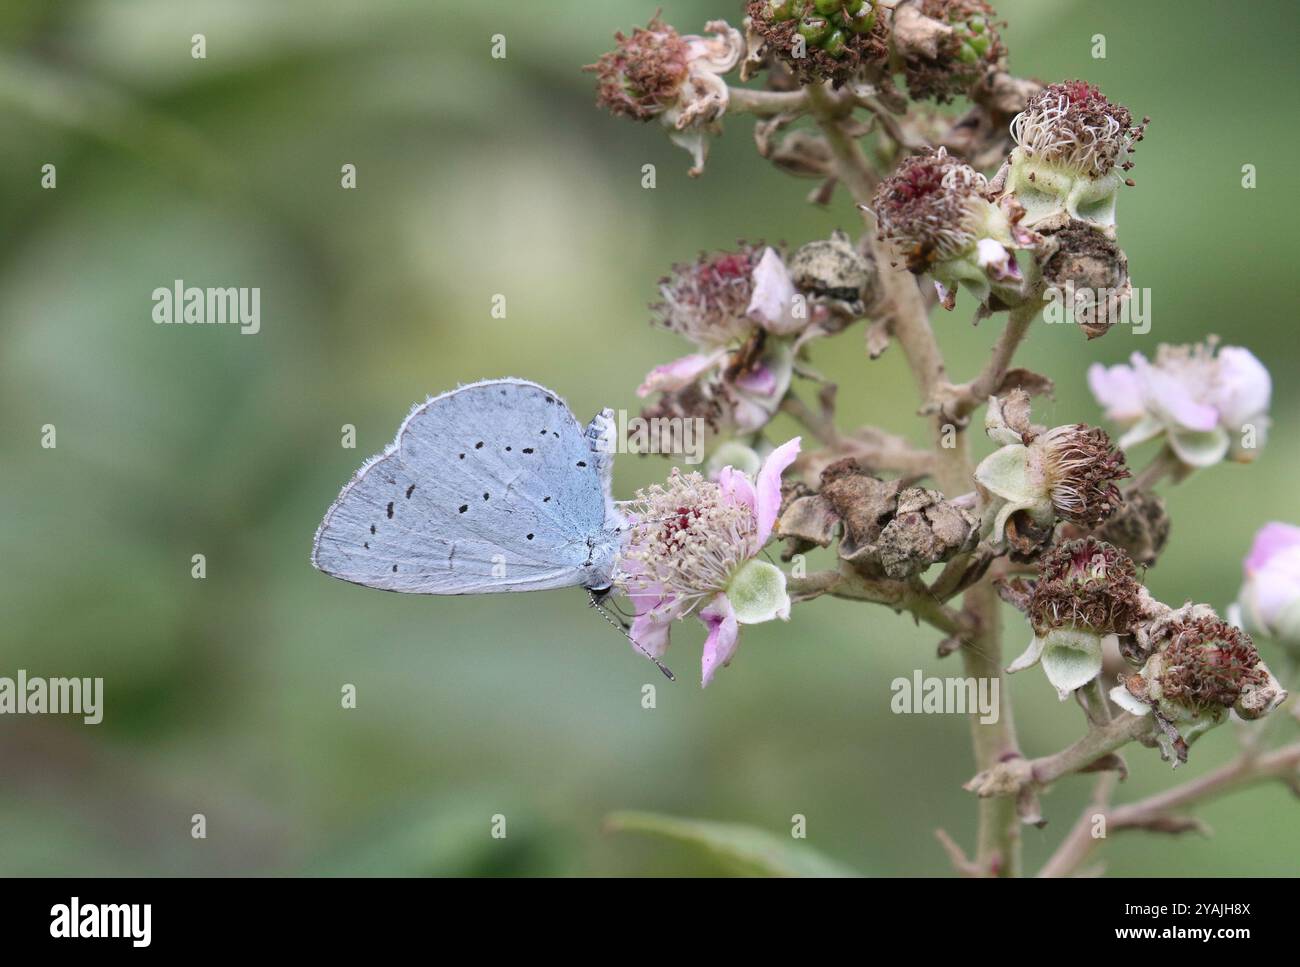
(1072, 147)
(1086, 595)
(1270, 595)
(936, 213)
(819, 40)
(946, 46)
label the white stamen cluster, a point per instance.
(1081, 468)
(1073, 125)
(687, 539)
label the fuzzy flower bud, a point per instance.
(1068, 472)
(657, 73)
(936, 213)
(819, 40)
(1269, 600)
(946, 46)
(1201, 667)
(1085, 596)
(1072, 145)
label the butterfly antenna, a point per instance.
(635, 644)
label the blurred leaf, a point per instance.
(743, 850)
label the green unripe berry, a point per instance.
(828, 7)
(980, 45)
(967, 54)
(834, 44)
(863, 22)
(814, 29)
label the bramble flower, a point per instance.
(743, 313)
(657, 73)
(1269, 600)
(936, 213)
(1205, 405)
(1072, 147)
(819, 40)
(1068, 472)
(945, 46)
(694, 548)
(1085, 596)
(1201, 667)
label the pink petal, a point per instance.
(678, 373)
(768, 489)
(724, 636)
(1269, 540)
(1245, 388)
(772, 303)
(1272, 591)
(761, 381)
(1117, 391)
(1171, 399)
(653, 622)
(737, 489)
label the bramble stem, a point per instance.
(970, 396)
(899, 595)
(1157, 812)
(998, 839)
(765, 103)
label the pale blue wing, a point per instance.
(491, 487)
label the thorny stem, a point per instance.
(1158, 812)
(998, 849)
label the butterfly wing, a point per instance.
(491, 487)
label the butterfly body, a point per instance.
(491, 487)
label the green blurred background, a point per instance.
(478, 176)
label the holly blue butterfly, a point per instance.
(494, 486)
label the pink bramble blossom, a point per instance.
(1205, 405)
(694, 548)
